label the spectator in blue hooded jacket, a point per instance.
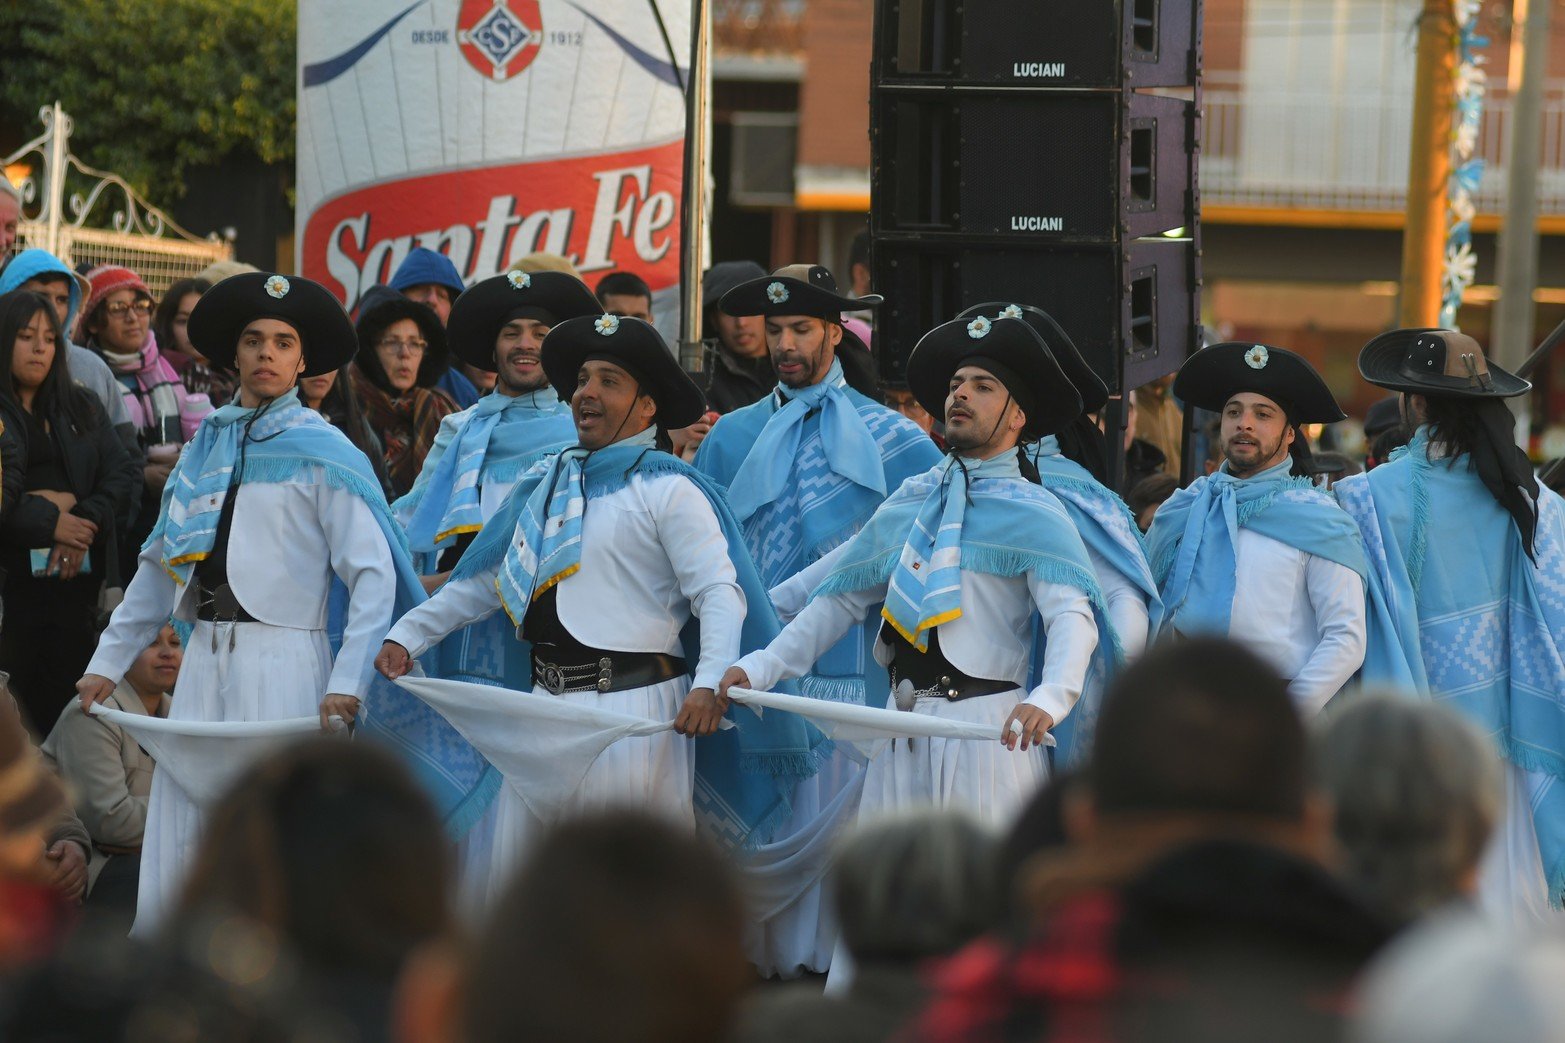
(429, 277)
(45, 274)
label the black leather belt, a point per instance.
(952, 687)
(220, 605)
(609, 672)
(929, 674)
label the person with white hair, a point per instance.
(1416, 795)
(1461, 978)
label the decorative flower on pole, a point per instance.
(1470, 83)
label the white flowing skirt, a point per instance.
(985, 779)
(1512, 886)
(654, 773)
(270, 673)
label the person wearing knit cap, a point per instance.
(601, 557)
(1254, 551)
(1070, 464)
(116, 322)
(271, 516)
(805, 468)
(428, 277)
(965, 563)
(1471, 549)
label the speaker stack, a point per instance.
(1041, 151)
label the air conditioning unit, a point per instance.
(765, 145)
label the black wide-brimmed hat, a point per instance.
(483, 310)
(221, 315)
(1428, 361)
(1213, 375)
(1094, 393)
(380, 308)
(634, 346)
(799, 289)
(1011, 350)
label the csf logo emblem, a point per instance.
(499, 38)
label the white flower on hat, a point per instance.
(1257, 357)
(776, 293)
(1010, 311)
(277, 286)
(518, 278)
(979, 327)
(606, 324)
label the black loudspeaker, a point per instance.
(1051, 43)
(1014, 158)
(1078, 165)
(1130, 310)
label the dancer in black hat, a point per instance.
(269, 508)
(965, 559)
(805, 468)
(601, 556)
(1252, 551)
(1472, 550)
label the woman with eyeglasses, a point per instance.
(116, 322)
(402, 352)
(70, 481)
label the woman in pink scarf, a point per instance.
(116, 323)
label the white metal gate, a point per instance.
(139, 236)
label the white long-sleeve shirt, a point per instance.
(1303, 614)
(652, 554)
(287, 541)
(1126, 605)
(991, 638)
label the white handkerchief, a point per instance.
(204, 757)
(541, 744)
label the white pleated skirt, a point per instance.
(270, 673)
(654, 773)
(985, 779)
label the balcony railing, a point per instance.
(758, 26)
(1341, 151)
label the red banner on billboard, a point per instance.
(605, 211)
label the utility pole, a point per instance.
(1429, 165)
(1518, 246)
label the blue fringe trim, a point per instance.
(862, 576)
(1418, 538)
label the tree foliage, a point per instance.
(155, 87)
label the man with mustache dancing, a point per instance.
(1301, 604)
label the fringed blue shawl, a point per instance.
(1476, 622)
(494, 441)
(814, 471)
(1193, 539)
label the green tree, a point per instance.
(155, 87)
